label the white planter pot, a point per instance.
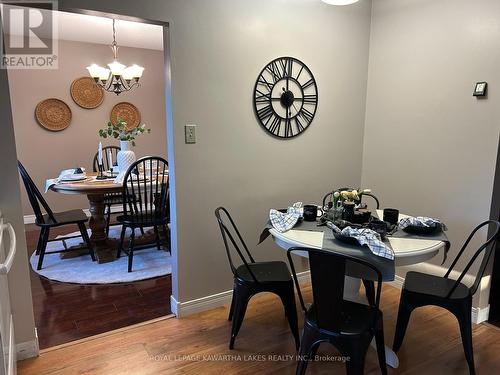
(125, 157)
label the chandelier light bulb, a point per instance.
(94, 70)
(137, 71)
(116, 68)
(128, 73)
(103, 73)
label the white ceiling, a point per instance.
(92, 29)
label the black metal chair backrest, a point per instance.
(328, 276)
(146, 190)
(488, 246)
(232, 237)
(35, 197)
(329, 197)
(106, 162)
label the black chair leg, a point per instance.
(142, 230)
(308, 345)
(86, 239)
(370, 291)
(231, 309)
(131, 251)
(166, 231)
(241, 297)
(157, 236)
(404, 313)
(45, 239)
(39, 244)
(122, 238)
(463, 315)
(288, 298)
(356, 363)
(379, 340)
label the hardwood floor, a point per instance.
(66, 312)
(183, 346)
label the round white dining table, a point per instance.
(407, 251)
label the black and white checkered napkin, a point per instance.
(371, 239)
(283, 221)
(420, 221)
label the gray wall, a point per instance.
(77, 144)
(430, 147)
(10, 206)
(218, 49)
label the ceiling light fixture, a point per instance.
(340, 2)
(118, 78)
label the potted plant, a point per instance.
(125, 157)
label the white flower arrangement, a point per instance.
(348, 195)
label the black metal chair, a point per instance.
(422, 289)
(328, 198)
(145, 201)
(348, 326)
(110, 199)
(253, 277)
(52, 219)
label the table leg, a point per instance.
(105, 248)
(351, 293)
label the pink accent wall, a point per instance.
(45, 153)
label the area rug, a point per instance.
(148, 263)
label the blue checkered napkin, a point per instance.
(371, 239)
(283, 221)
(420, 221)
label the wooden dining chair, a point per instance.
(51, 219)
(253, 277)
(145, 202)
(110, 199)
(349, 326)
(420, 289)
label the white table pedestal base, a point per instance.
(351, 293)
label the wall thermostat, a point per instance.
(480, 89)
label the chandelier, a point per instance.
(118, 78)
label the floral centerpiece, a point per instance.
(119, 130)
(344, 202)
(354, 195)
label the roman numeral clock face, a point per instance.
(285, 97)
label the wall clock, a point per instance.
(285, 97)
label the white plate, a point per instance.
(73, 178)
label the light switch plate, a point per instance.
(190, 133)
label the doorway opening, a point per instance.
(73, 296)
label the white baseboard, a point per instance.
(183, 309)
(30, 219)
(27, 350)
(480, 315)
(397, 282)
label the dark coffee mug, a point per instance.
(391, 215)
(312, 212)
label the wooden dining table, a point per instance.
(95, 190)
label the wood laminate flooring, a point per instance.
(66, 312)
(198, 344)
